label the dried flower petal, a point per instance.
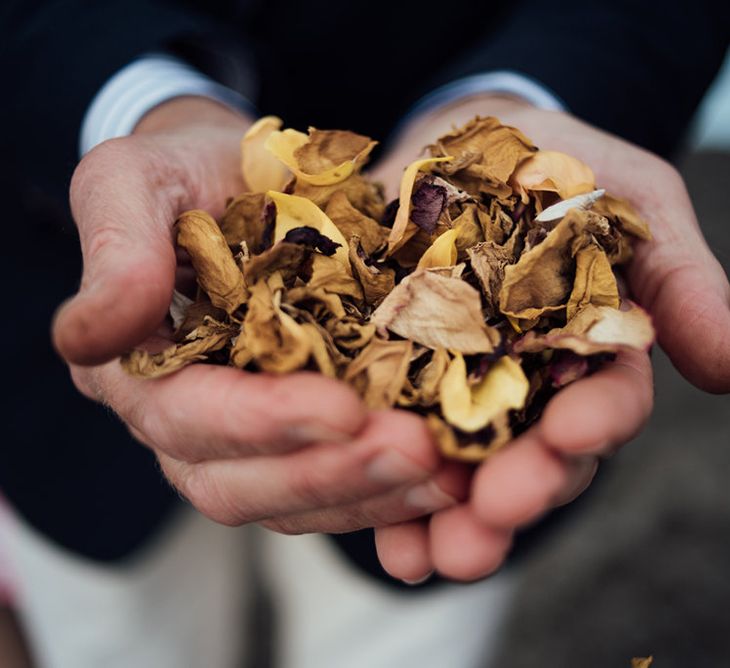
(261, 171)
(437, 312)
(293, 212)
(351, 222)
(471, 407)
(379, 371)
(214, 265)
(595, 329)
(553, 171)
(403, 229)
(324, 157)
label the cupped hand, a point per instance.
(296, 453)
(674, 276)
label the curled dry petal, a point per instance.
(271, 337)
(244, 220)
(351, 222)
(541, 281)
(261, 171)
(293, 212)
(403, 229)
(466, 447)
(486, 153)
(323, 157)
(377, 282)
(214, 265)
(594, 281)
(442, 252)
(379, 371)
(624, 216)
(437, 312)
(196, 347)
(595, 329)
(553, 171)
(472, 406)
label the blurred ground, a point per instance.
(644, 566)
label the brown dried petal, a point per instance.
(283, 257)
(595, 329)
(274, 340)
(488, 260)
(243, 220)
(594, 281)
(350, 221)
(437, 312)
(365, 196)
(216, 269)
(379, 372)
(623, 215)
(485, 150)
(195, 348)
(542, 279)
(377, 282)
(470, 448)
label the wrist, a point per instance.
(425, 127)
(185, 111)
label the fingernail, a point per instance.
(393, 468)
(316, 433)
(419, 581)
(428, 498)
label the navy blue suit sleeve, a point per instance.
(57, 55)
(637, 68)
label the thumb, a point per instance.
(685, 289)
(124, 210)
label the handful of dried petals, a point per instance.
(471, 299)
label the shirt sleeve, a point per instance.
(142, 85)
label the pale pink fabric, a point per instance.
(7, 584)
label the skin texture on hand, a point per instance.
(298, 453)
(674, 276)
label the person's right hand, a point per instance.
(298, 453)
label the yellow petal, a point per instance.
(402, 231)
(261, 171)
(293, 212)
(442, 252)
(471, 408)
(555, 172)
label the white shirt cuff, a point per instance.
(501, 81)
(143, 84)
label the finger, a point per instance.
(443, 489)
(598, 413)
(124, 209)
(462, 548)
(393, 450)
(522, 482)
(686, 290)
(210, 412)
(403, 551)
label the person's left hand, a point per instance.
(674, 276)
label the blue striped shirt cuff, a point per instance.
(140, 86)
